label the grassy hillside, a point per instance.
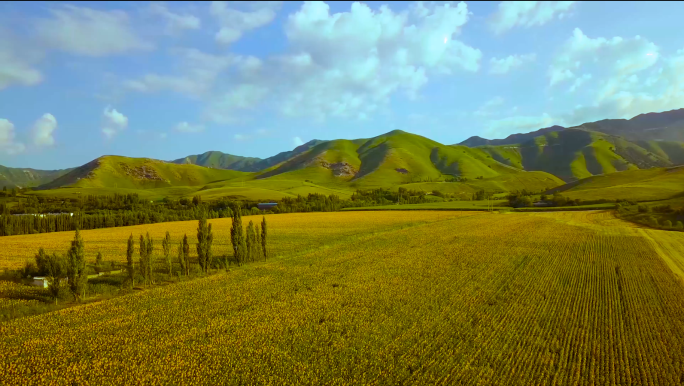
(639, 185)
(574, 154)
(219, 160)
(138, 173)
(24, 177)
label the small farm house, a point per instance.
(40, 281)
(267, 205)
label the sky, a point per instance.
(167, 80)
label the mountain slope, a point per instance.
(139, 173)
(640, 185)
(574, 154)
(24, 177)
(664, 126)
(219, 160)
(511, 139)
(392, 159)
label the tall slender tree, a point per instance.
(181, 260)
(166, 246)
(149, 244)
(237, 237)
(250, 241)
(54, 265)
(263, 237)
(129, 261)
(186, 254)
(143, 260)
(204, 241)
(76, 273)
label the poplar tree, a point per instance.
(55, 269)
(76, 268)
(149, 245)
(181, 260)
(204, 240)
(250, 241)
(129, 260)
(166, 246)
(186, 254)
(98, 261)
(143, 259)
(237, 237)
(41, 262)
(263, 237)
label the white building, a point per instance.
(40, 281)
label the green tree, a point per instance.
(166, 246)
(181, 260)
(149, 244)
(667, 224)
(186, 255)
(249, 233)
(143, 260)
(237, 237)
(41, 262)
(263, 237)
(76, 267)
(129, 261)
(679, 225)
(98, 262)
(54, 265)
(204, 241)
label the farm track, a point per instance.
(517, 299)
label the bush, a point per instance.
(679, 226)
(644, 209)
(667, 224)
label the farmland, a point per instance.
(380, 298)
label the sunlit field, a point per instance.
(381, 298)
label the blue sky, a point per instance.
(166, 80)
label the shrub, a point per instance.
(679, 225)
(667, 224)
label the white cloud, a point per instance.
(185, 127)
(511, 14)
(175, 22)
(43, 130)
(199, 73)
(17, 62)
(297, 141)
(114, 122)
(89, 32)
(241, 17)
(623, 57)
(503, 66)
(489, 107)
(8, 144)
(579, 81)
(502, 128)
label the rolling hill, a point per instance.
(138, 173)
(24, 177)
(573, 154)
(639, 185)
(219, 160)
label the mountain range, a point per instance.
(542, 159)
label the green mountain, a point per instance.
(511, 139)
(639, 185)
(138, 173)
(219, 160)
(390, 160)
(665, 126)
(24, 177)
(574, 154)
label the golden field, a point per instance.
(379, 298)
(287, 233)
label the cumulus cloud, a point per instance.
(489, 107)
(17, 62)
(297, 141)
(114, 122)
(579, 81)
(198, 73)
(185, 127)
(241, 16)
(503, 66)
(622, 57)
(43, 130)
(348, 64)
(89, 32)
(8, 144)
(175, 22)
(511, 14)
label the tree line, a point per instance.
(70, 271)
